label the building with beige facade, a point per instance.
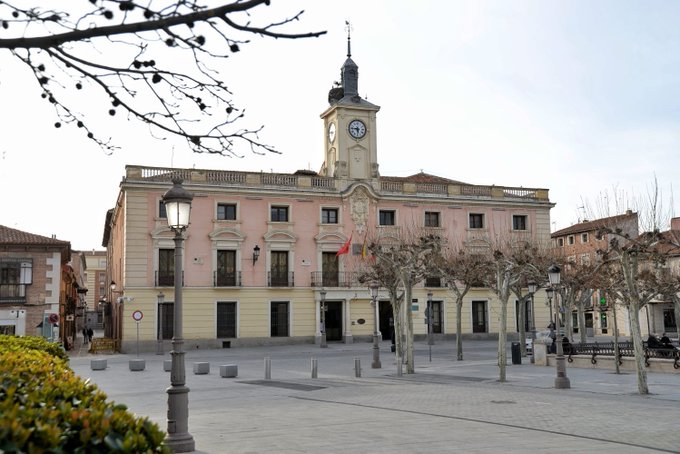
(261, 249)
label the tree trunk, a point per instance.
(459, 329)
(522, 325)
(581, 323)
(634, 312)
(397, 319)
(502, 340)
(410, 365)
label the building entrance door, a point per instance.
(479, 324)
(333, 320)
(385, 324)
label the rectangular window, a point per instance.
(226, 211)
(162, 214)
(279, 319)
(431, 219)
(225, 274)
(519, 222)
(279, 214)
(387, 217)
(584, 238)
(560, 242)
(476, 221)
(329, 215)
(226, 319)
(15, 275)
(166, 267)
(166, 317)
(570, 239)
(279, 269)
(479, 322)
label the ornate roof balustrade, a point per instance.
(308, 181)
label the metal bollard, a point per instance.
(315, 368)
(357, 367)
(267, 368)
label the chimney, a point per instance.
(675, 224)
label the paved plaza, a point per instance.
(446, 406)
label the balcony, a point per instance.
(342, 279)
(166, 279)
(227, 279)
(280, 279)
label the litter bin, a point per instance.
(516, 353)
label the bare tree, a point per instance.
(154, 60)
(578, 284)
(510, 263)
(461, 269)
(408, 254)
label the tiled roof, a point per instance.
(10, 236)
(589, 226)
(422, 178)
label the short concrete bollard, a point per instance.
(201, 368)
(137, 364)
(357, 367)
(315, 368)
(167, 365)
(98, 364)
(229, 371)
(267, 368)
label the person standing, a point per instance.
(90, 333)
(85, 336)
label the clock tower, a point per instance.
(349, 128)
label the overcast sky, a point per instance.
(580, 97)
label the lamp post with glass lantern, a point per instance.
(373, 288)
(178, 207)
(561, 380)
(322, 343)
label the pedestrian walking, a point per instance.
(90, 333)
(85, 336)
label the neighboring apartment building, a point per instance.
(662, 317)
(261, 249)
(38, 286)
(579, 244)
(97, 286)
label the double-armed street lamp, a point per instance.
(178, 208)
(161, 301)
(561, 380)
(373, 288)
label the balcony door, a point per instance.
(279, 270)
(226, 268)
(330, 269)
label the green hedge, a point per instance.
(46, 408)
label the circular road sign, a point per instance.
(53, 318)
(137, 315)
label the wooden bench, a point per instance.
(103, 344)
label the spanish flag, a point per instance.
(364, 249)
(345, 247)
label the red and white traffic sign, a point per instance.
(137, 315)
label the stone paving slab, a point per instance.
(447, 406)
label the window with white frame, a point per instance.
(329, 215)
(226, 211)
(476, 221)
(519, 222)
(570, 239)
(584, 238)
(278, 213)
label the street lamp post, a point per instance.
(373, 288)
(161, 300)
(549, 293)
(561, 380)
(323, 344)
(178, 207)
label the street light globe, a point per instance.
(178, 205)
(554, 275)
(373, 287)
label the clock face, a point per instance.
(357, 129)
(331, 132)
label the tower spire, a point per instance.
(348, 27)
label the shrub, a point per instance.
(45, 407)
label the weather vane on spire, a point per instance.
(348, 27)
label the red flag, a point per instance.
(345, 247)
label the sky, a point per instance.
(579, 97)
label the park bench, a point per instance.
(102, 344)
(595, 349)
